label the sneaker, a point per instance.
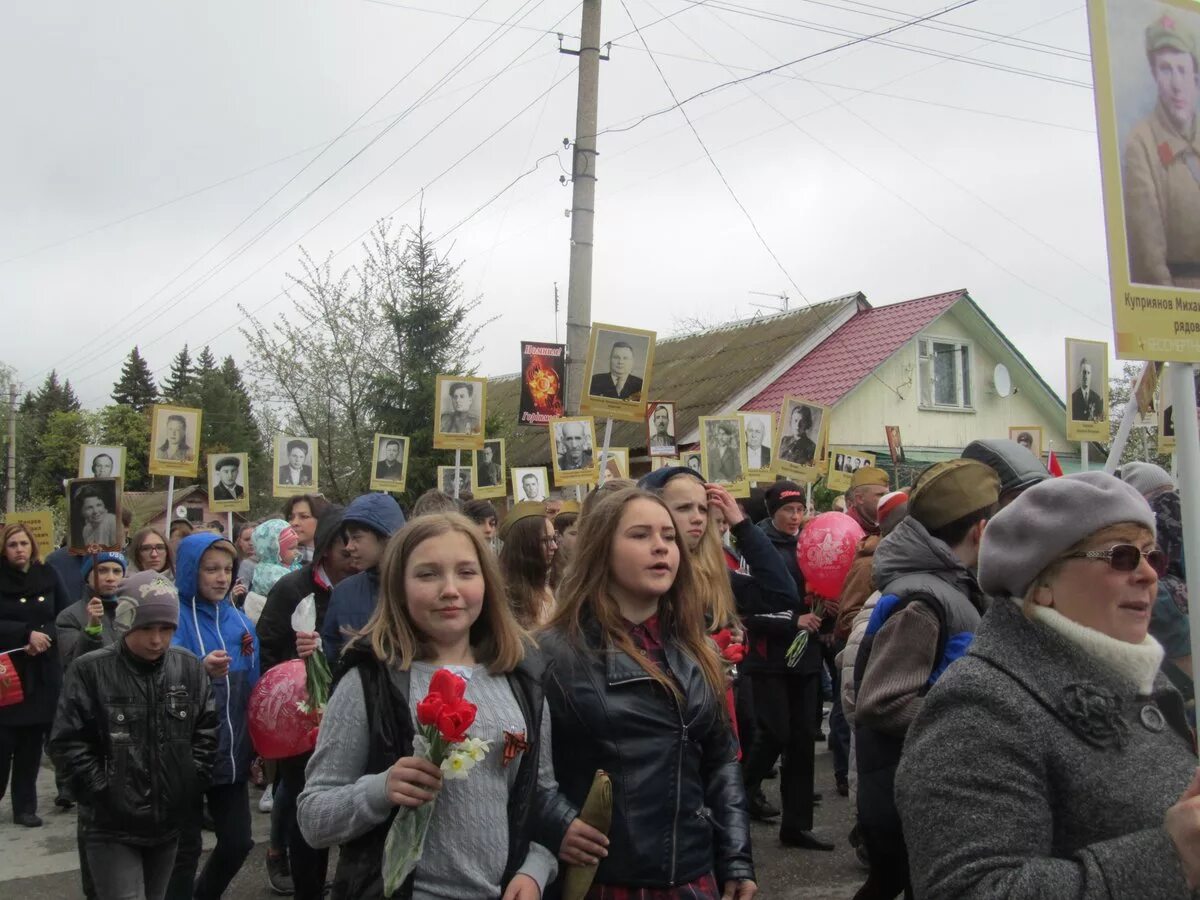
(279, 874)
(267, 801)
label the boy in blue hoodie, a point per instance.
(368, 522)
(220, 634)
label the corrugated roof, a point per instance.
(853, 352)
(686, 371)
(145, 505)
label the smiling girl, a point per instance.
(441, 605)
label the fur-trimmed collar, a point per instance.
(1136, 664)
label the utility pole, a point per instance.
(10, 495)
(583, 202)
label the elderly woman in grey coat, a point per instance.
(1054, 760)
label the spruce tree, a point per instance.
(178, 383)
(135, 388)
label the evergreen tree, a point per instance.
(126, 427)
(37, 479)
(135, 388)
(178, 382)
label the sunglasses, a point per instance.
(1126, 557)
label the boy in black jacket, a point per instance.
(136, 732)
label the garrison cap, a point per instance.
(948, 491)
(870, 475)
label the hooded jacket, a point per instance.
(268, 567)
(276, 636)
(353, 601)
(204, 627)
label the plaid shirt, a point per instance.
(704, 888)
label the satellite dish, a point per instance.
(181, 512)
(1001, 380)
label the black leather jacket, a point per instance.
(679, 806)
(137, 740)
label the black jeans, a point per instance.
(309, 865)
(887, 856)
(229, 806)
(20, 756)
(839, 728)
(785, 705)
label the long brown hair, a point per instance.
(135, 549)
(19, 528)
(497, 639)
(524, 570)
(585, 592)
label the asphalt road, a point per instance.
(40, 864)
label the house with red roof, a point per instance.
(935, 367)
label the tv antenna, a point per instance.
(782, 297)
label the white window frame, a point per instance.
(959, 344)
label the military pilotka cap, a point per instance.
(1165, 33)
(526, 509)
(870, 475)
(948, 491)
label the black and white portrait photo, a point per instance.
(389, 471)
(660, 428)
(843, 462)
(616, 464)
(227, 482)
(618, 372)
(174, 439)
(692, 459)
(801, 435)
(295, 465)
(759, 438)
(1087, 390)
(722, 449)
(489, 470)
(96, 461)
(1028, 436)
(530, 483)
(573, 449)
(459, 413)
(94, 515)
(447, 475)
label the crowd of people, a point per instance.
(1006, 669)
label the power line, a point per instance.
(235, 255)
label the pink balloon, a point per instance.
(825, 551)
(278, 727)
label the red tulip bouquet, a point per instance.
(443, 718)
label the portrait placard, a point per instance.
(490, 469)
(174, 439)
(1028, 436)
(296, 469)
(94, 515)
(759, 440)
(800, 452)
(1087, 390)
(616, 464)
(573, 450)
(543, 383)
(617, 372)
(664, 462)
(101, 461)
(843, 463)
(660, 428)
(460, 408)
(40, 523)
(1144, 72)
(530, 483)
(1166, 418)
(390, 469)
(466, 480)
(693, 460)
(721, 458)
(895, 445)
(227, 474)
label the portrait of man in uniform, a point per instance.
(1161, 160)
(1086, 404)
(488, 465)
(390, 467)
(660, 429)
(295, 469)
(458, 416)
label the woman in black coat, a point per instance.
(635, 688)
(31, 597)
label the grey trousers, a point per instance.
(129, 871)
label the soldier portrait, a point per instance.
(97, 461)
(449, 475)
(800, 451)
(1087, 390)
(389, 470)
(460, 407)
(227, 482)
(489, 470)
(1028, 436)
(530, 483)
(660, 428)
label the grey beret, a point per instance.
(1048, 519)
(1145, 478)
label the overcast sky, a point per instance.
(882, 168)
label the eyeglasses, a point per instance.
(1126, 557)
(154, 548)
(550, 539)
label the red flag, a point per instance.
(1053, 466)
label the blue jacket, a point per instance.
(353, 600)
(203, 628)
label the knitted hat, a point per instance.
(870, 475)
(105, 556)
(1145, 478)
(146, 598)
(657, 480)
(888, 503)
(781, 493)
(947, 491)
(1044, 522)
(288, 541)
(526, 509)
